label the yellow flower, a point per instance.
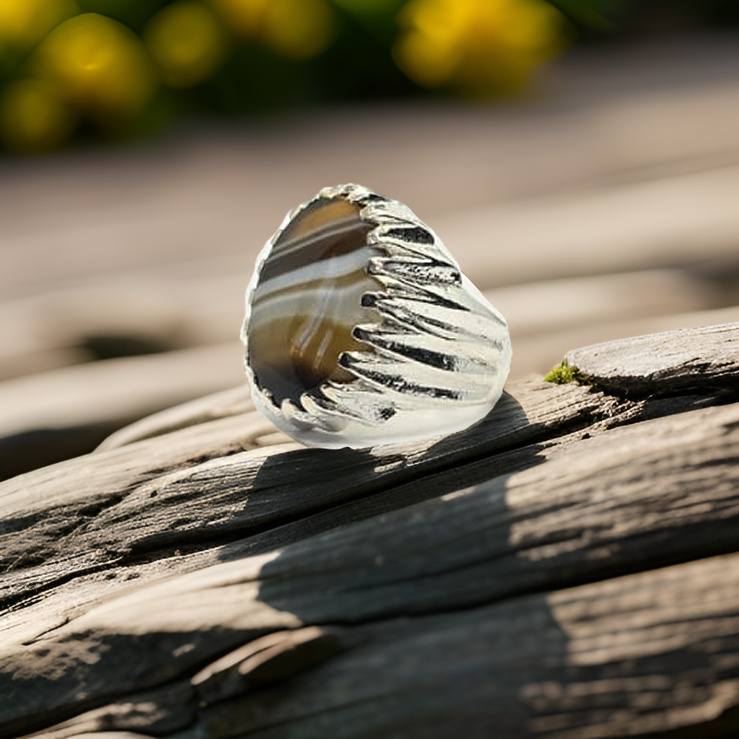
(243, 17)
(33, 118)
(480, 47)
(299, 29)
(25, 22)
(186, 41)
(98, 64)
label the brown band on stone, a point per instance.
(301, 325)
(289, 367)
(325, 229)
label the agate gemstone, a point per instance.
(308, 300)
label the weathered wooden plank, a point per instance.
(540, 352)
(105, 734)
(667, 362)
(114, 592)
(583, 233)
(647, 653)
(49, 417)
(583, 514)
(233, 402)
(159, 712)
(114, 315)
(192, 487)
(551, 306)
(643, 654)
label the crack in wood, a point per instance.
(567, 541)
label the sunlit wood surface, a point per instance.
(567, 567)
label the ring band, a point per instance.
(361, 329)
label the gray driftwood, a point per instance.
(567, 568)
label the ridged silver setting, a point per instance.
(436, 360)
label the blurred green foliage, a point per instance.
(119, 68)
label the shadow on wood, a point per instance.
(566, 568)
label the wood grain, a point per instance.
(566, 568)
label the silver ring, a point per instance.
(361, 329)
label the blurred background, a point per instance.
(580, 158)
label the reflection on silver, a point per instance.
(423, 353)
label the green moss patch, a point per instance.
(564, 373)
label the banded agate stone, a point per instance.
(308, 300)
